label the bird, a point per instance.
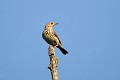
(50, 36)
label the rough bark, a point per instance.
(53, 63)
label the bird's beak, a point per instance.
(55, 23)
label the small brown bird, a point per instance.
(51, 37)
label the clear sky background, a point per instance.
(88, 29)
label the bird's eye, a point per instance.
(51, 23)
(54, 42)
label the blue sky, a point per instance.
(88, 29)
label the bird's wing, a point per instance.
(56, 36)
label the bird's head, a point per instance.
(50, 24)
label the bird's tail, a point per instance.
(63, 50)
